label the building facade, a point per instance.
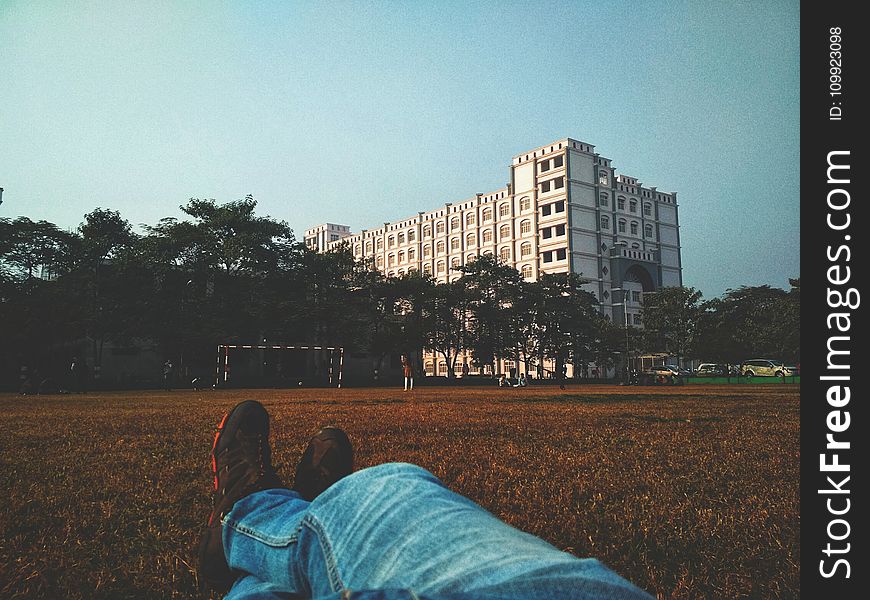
(564, 209)
(321, 237)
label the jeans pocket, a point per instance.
(275, 538)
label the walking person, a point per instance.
(167, 375)
(386, 532)
(407, 373)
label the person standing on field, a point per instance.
(408, 373)
(167, 375)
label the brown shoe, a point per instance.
(241, 461)
(328, 458)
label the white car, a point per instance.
(763, 367)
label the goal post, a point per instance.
(228, 354)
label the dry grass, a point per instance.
(689, 492)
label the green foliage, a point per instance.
(671, 318)
(224, 274)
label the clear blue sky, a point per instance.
(365, 112)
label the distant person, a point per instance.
(167, 375)
(77, 376)
(407, 372)
(386, 532)
(521, 381)
(562, 375)
(464, 370)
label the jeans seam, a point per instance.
(274, 541)
(332, 573)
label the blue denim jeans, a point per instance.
(394, 531)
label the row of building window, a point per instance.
(621, 226)
(441, 268)
(486, 235)
(441, 226)
(604, 200)
(552, 184)
(555, 207)
(560, 254)
(554, 163)
(504, 254)
(548, 232)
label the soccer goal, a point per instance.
(278, 365)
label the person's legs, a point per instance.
(395, 526)
(242, 467)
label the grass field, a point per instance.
(690, 492)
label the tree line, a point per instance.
(223, 274)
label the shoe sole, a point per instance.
(327, 458)
(230, 422)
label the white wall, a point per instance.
(524, 178)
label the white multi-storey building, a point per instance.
(564, 210)
(320, 237)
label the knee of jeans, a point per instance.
(391, 471)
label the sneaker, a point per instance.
(241, 461)
(328, 458)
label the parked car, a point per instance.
(711, 370)
(763, 367)
(680, 371)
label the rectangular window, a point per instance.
(548, 257)
(635, 296)
(557, 162)
(545, 166)
(559, 206)
(547, 233)
(546, 209)
(559, 182)
(561, 254)
(560, 230)
(545, 186)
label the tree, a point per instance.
(31, 250)
(567, 320)
(671, 319)
(492, 290)
(229, 263)
(35, 313)
(757, 321)
(105, 282)
(445, 321)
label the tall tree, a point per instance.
(492, 292)
(445, 322)
(567, 319)
(105, 283)
(672, 316)
(216, 273)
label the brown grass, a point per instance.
(689, 492)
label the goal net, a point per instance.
(251, 365)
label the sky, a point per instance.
(360, 113)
